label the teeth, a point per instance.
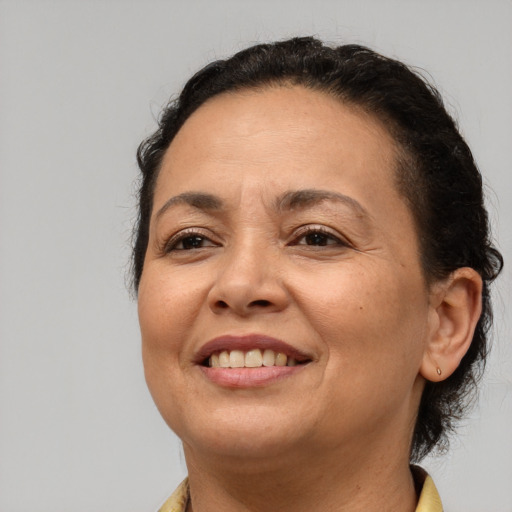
(269, 357)
(254, 358)
(224, 359)
(236, 359)
(280, 359)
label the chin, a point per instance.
(255, 435)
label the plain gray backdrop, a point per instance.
(80, 85)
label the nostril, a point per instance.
(244, 307)
(261, 303)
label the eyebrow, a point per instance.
(291, 200)
(199, 200)
(305, 198)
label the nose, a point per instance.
(249, 281)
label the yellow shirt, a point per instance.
(429, 500)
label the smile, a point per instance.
(249, 360)
(254, 358)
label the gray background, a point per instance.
(80, 84)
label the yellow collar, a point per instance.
(429, 500)
(429, 497)
(178, 500)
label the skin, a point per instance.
(338, 431)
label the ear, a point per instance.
(455, 307)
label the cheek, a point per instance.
(371, 313)
(167, 307)
(372, 327)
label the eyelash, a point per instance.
(190, 233)
(312, 229)
(303, 232)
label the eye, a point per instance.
(188, 241)
(317, 236)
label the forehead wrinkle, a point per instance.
(300, 199)
(198, 200)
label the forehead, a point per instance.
(279, 134)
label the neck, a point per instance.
(345, 482)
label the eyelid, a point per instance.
(319, 228)
(170, 243)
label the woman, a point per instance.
(312, 263)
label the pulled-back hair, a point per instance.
(435, 173)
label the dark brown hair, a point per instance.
(436, 174)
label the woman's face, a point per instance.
(277, 228)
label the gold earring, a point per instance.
(438, 370)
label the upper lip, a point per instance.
(248, 342)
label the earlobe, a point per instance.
(456, 304)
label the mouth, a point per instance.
(250, 360)
(253, 358)
(249, 351)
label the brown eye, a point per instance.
(316, 236)
(320, 239)
(188, 241)
(191, 242)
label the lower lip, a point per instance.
(249, 377)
